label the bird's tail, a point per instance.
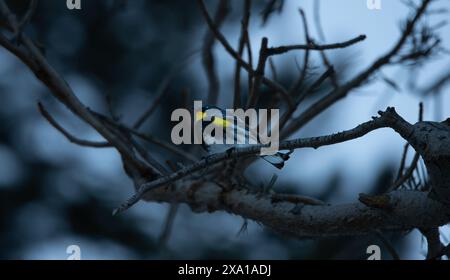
(278, 159)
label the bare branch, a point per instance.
(409, 209)
(388, 245)
(444, 252)
(298, 84)
(408, 174)
(387, 119)
(318, 21)
(403, 161)
(208, 56)
(28, 15)
(288, 114)
(271, 7)
(314, 47)
(433, 241)
(273, 69)
(152, 163)
(437, 85)
(168, 224)
(268, 82)
(259, 73)
(335, 95)
(243, 41)
(163, 144)
(69, 136)
(162, 90)
(149, 138)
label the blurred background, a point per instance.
(54, 194)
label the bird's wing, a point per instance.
(242, 134)
(236, 125)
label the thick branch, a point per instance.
(409, 209)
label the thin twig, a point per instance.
(149, 159)
(162, 89)
(269, 8)
(259, 74)
(168, 224)
(208, 55)
(148, 138)
(273, 69)
(327, 64)
(444, 252)
(248, 47)
(315, 47)
(70, 137)
(407, 175)
(242, 43)
(298, 84)
(388, 245)
(402, 161)
(163, 144)
(28, 15)
(437, 85)
(318, 21)
(314, 86)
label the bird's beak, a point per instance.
(199, 116)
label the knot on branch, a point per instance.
(376, 201)
(390, 117)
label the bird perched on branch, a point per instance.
(216, 118)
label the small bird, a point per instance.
(218, 118)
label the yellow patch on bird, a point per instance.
(200, 115)
(221, 122)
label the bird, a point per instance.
(213, 115)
